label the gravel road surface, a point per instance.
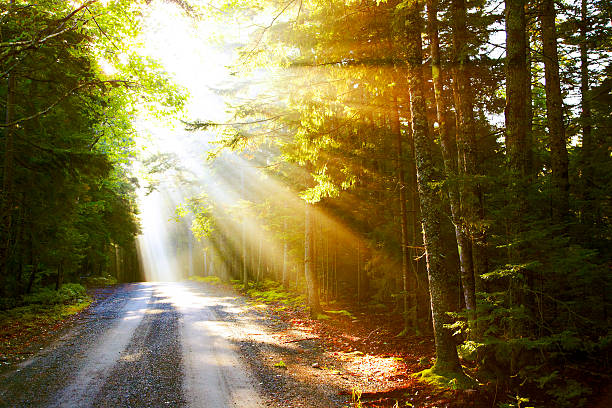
(146, 345)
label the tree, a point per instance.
(312, 279)
(440, 278)
(449, 148)
(554, 112)
(68, 139)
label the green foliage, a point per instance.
(213, 280)
(517, 402)
(97, 281)
(280, 364)
(68, 293)
(44, 296)
(72, 292)
(345, 313)
(270, 291)
(451, 380)
(200, 210)
(70, 200)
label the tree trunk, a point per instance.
(6, 207)
(190, 256)
(335, 264)
(117, 262)
(516, 86)
(327, 270)
(450, 165)
(358, 272)
(440, 278)
(584, 80)
(259, 268)
(422, 300)
(310, 272)
(470, 194)
(58, 276)
(554, 112)
(245, 275)
(530, 164)
(32, 278)
(585, 115)
(410, 320)
(205, 263)
(285, 253)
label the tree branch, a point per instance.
(193, 126)
(60, 99)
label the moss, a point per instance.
(446, 379)
(321, 316)
(341, 313)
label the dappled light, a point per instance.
(305, 203)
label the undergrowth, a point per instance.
(451, 380)
(97, 281)
(269, 291)
(37, 312)
(213, 280)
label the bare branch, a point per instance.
(193, 126)
(101, 30)
(269, 26)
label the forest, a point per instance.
(444, 162)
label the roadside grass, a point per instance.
(37, 314)
(271, 293)
(98, 281)
(213, 280)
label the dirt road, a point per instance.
(146, 345)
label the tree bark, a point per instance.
(450, 165)
(6, 206)
(516, 86)
(530, 164)
(418, 270)
(358, 272)
(440, 277)
(585, 115)
(285, 253)
(554, 112)
(309, 266)
(472, 208)
(245, 275)
(408, 279)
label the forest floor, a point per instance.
(350, 356)
(356, 353)
(344, 359)
(28, 329)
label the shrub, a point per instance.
(43, 296)
(72, 292)
(7, 303)
(68, 293)
(95, 281)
